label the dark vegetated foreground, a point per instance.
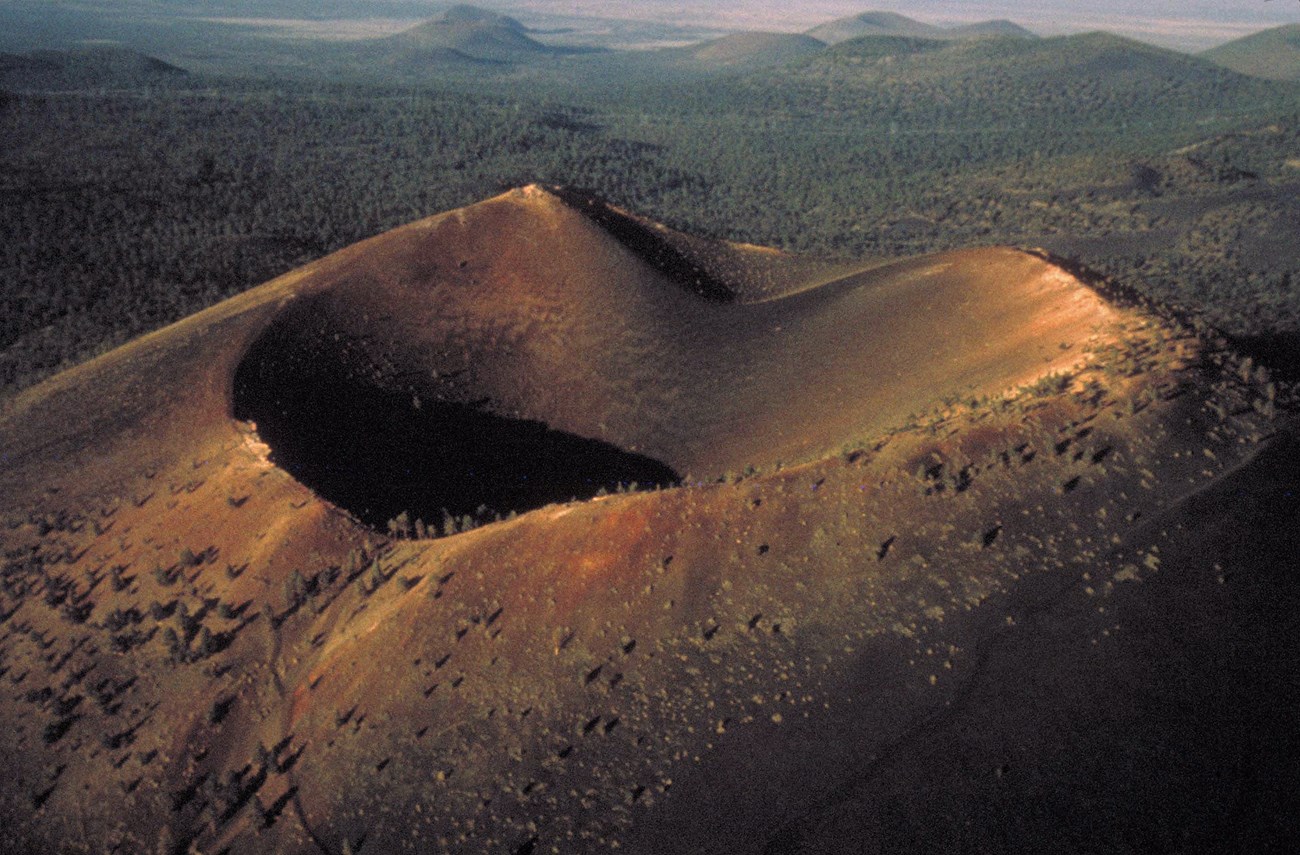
(379, 453)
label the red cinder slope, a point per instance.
(970, 557)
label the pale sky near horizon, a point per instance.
(1185, 24)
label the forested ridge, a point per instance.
(132, 202)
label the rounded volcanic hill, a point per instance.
(467, 32)
(749, 50)
(353, 562)
(999, 27)
(1273, 53)
(873, 24)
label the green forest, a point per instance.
(133, 193)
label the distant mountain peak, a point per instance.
(472, 33)
(878, 23)
(884, 18)
(464, 13)
(871, 24)
(996, 27)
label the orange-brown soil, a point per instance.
(955, 552)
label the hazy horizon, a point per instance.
(1189, 25)
(1183, 24)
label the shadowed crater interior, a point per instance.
(378, 452)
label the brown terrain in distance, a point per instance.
(966, 552)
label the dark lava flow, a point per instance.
(377, 453)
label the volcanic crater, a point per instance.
(947, 539)
(383, 454)
(480, 384)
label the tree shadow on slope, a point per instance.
(1280, 351)
(378, 453)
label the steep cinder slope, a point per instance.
(982, 567)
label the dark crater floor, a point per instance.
(377, 453)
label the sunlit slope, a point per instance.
(937, 594)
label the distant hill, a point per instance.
(1061, 81)
(1273, 53)
(1000, 27)
(865, 48)
(893, 24)
(468, 32)
(100, 65)
(872, 24)
(747, 50)
(737, 54)
(464, 14)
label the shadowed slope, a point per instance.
(954, 598)
(84, 67)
